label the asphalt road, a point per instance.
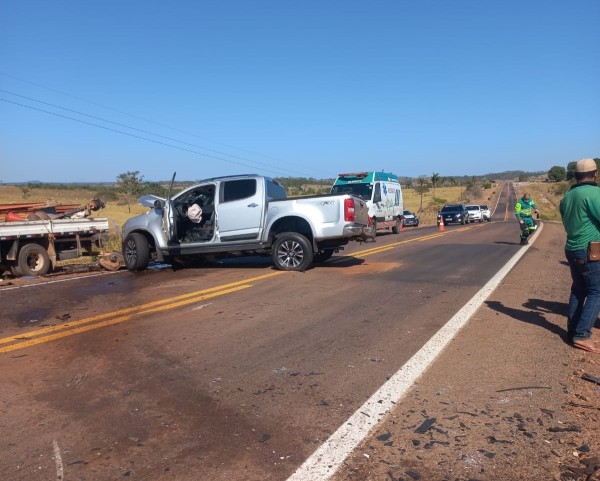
(234, 371)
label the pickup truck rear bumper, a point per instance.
(359, 231)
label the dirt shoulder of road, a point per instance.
(506, 399)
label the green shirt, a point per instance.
(580, 212)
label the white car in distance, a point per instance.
(485, 212)
(475, 213)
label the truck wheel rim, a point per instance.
(130, 253)
(34, 262)
(290, 254)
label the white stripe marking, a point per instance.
(56, 281)
(58, 461)
(326, 460)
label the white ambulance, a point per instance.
(383, 194)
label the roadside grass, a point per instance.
(433, 201)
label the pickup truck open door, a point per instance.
(168, 216)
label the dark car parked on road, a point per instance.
(410, 219)
(453, 214)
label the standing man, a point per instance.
(523, 211)
(580, 212)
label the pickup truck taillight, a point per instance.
(349, 213)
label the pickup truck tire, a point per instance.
(324, 255)
(136, 252)
(292, 252)
(33, 260)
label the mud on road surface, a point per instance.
(506, 400)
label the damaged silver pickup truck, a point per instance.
(243, 215)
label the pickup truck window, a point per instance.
(238, 189)
(275, 191)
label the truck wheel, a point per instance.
(15, 271)
(292, 252)
(396, 227)
(33, 260)
(136, 252)
(323, 255)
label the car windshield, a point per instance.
(361, 190)
(472, 207)
(484, 207)
(451, 208)
(408, 212)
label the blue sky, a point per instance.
(93, 89)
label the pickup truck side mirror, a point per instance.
(159, 204)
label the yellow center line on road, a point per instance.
(26, 340)
(51, 333)
(387, 247)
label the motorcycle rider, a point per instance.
(523, 211)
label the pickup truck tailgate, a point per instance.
(342, 215)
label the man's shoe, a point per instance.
(524, 242)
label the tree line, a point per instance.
(558, 173)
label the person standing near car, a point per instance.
(580, 213)
(523, 210)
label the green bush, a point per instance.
(107, 194)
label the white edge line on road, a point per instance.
(58, 461)
(326, 460)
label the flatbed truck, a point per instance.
(33, 247)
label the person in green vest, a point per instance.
(580, 213)
(524, 208)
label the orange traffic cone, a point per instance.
(401, 225)
(441, 225)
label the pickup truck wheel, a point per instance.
(292, 252)
(462, 221)
(136, 252)
(323, 255)
(33, 260)
(396, 227)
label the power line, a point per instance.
(136, 136)
(145, 131)
(141, 118)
